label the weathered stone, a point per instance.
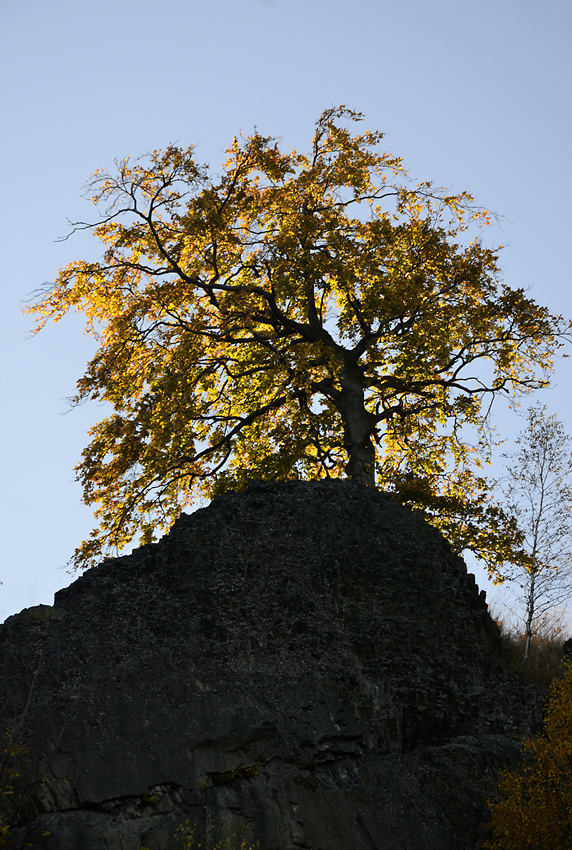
(308, 660)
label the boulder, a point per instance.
(305, 664)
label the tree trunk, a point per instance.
(359, 426)
(529, 615)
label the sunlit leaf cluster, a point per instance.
(296, 316)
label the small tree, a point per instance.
(539, 495)
(534, 810)
(302, 315)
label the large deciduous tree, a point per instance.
(299, 315)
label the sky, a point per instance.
(473, 95)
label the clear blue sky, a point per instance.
(473, 94)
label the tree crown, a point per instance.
(299, 315)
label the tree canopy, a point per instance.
(299, 315)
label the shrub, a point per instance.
(534, 810)
(544, 661)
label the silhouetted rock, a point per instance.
(309, 660)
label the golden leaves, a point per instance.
(228, 310)
(534, 811)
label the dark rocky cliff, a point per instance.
(306, 659)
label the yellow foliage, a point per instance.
(299, 316)
(534, 811)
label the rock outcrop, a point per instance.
(308, 661)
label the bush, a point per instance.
(534, 810)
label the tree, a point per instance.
(301, 315)
(539, 495)
(534, 808)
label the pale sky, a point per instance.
(473, 95)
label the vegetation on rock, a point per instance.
(10, 754)
(189, 837)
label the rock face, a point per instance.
(308, 661)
